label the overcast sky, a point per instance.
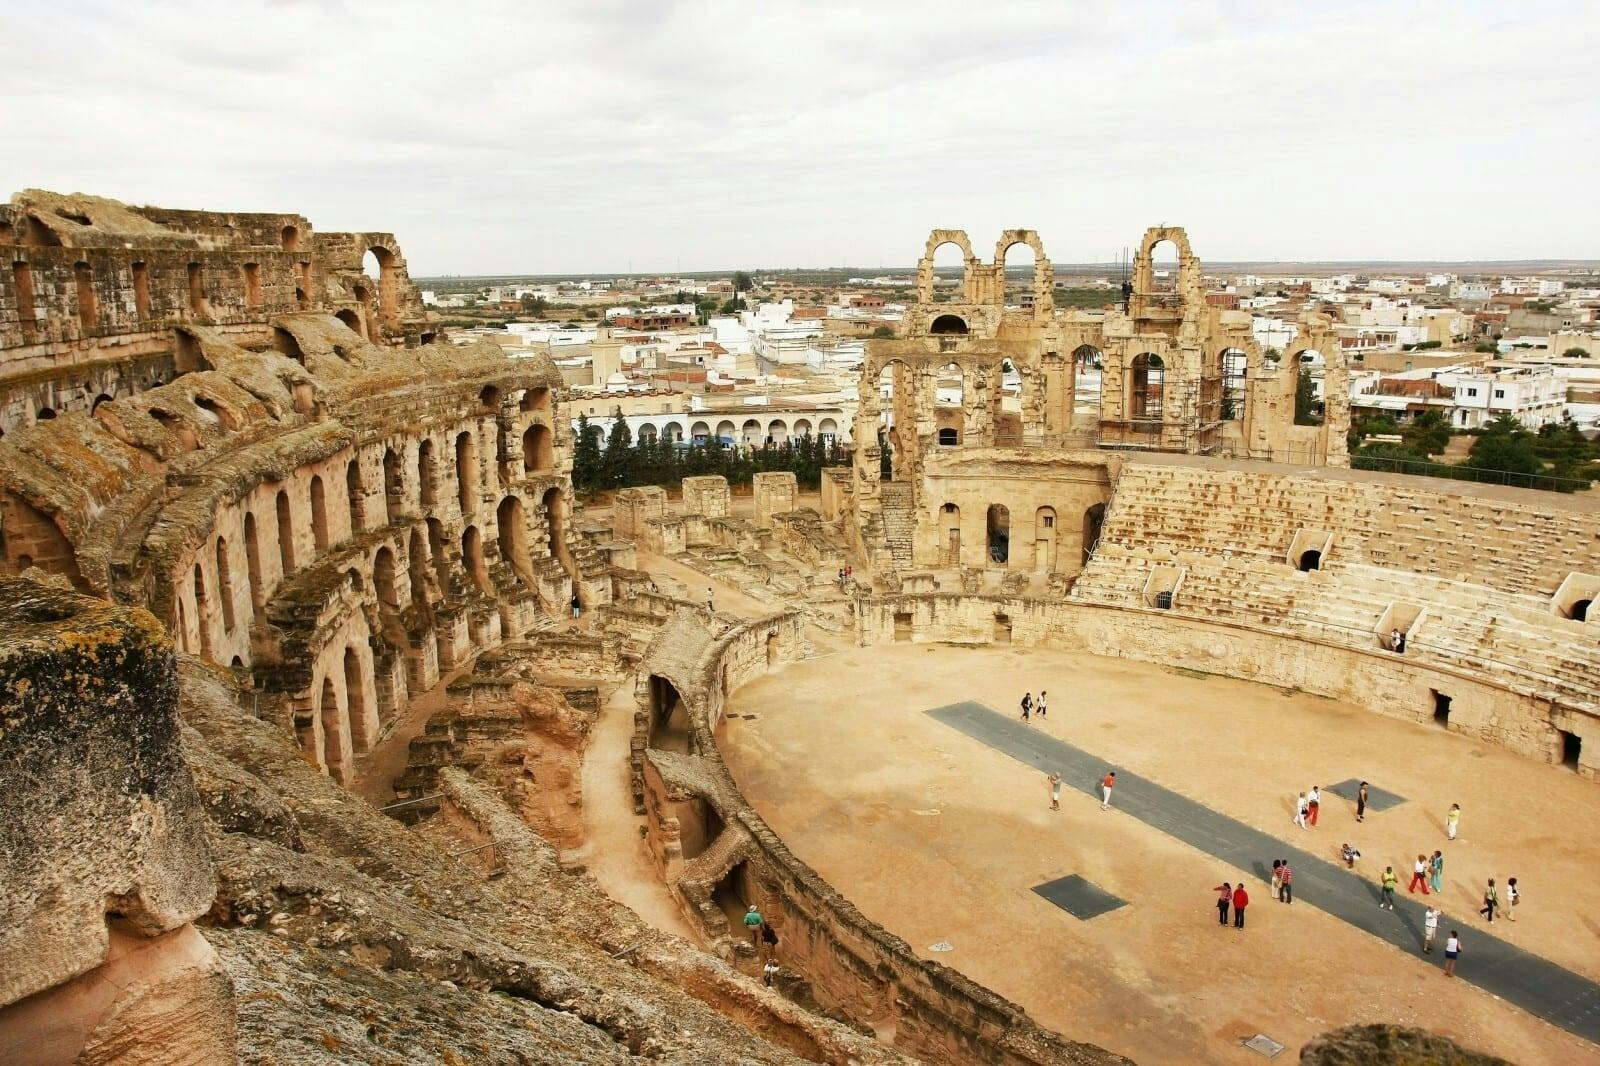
(613, 136)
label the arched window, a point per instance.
(467, 470)
(948, 437)
(948, 325)
(355, 689)
(357, 495)
(426, 472)
(417, 560)
(555, 512)
(252, 560)
(512, 530)
(285, 533)
(202, 613)
(225, 585)
(999, 534)
(384, 581)
(394, 488)
(335, 730)
(319, 515)
(472, 556)
(538, 454)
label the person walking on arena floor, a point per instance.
(1361, 802)
(1277, 876)
(1241, 900)
(1419, 875)
(1390, 881)
(1300, 811)
(1039, 708)
(1512, 896)
(1436, 871)
(1055, 790)
(1224, 898)
(1430, 928)
(1313, 801)
(1105, 790)
(1452, 951)
(1491, 902)
(1027, 705)
(1452, 821)
(1285, 883)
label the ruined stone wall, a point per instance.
(103, 842)
(339, 521)
(850, 964)
(94, 294)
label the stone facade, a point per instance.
(96, 297)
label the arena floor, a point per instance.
(941, 837)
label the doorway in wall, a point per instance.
(1441, 709)
(1571, 748)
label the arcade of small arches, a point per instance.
(739, 429)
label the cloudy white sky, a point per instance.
(610, 135)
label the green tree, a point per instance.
(742, 282)
(1506, 445)
(614, 463)
(882, 332)
(731, 306)
(1575, 353)
(534, 304)
(1305, 399)
(586, 455)
(1427, 434)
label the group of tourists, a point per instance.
(1031, 706)
(845, 575)
(764, 940)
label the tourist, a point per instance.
(753, 922)
(1397, 641)
(1436, 871)
(1491, 902)
(1224, 897)
(1452, 821)
(1039, 708)
(1313, 801)
(1277, 876)
(1055, 791)
(1512, 896)
(769, 939)
(711, 607)
(1241, 900)
(1419, 875)
(1300, 811)
(1285, 883)
(577, 605)
(1390, 881)
(1452, 950)
(1105, 790)
(1361, 802)
(1349, 855)
(768, 972)
(1027, 705)
(1430, 928)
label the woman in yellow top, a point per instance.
(1390, 880)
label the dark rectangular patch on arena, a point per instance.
(1079, 898)
(1377, 798)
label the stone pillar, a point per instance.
(635, 507)
(706, 496)
(775, 493)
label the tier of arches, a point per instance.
(1012, 536)
(738, 430)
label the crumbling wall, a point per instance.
(103, 843)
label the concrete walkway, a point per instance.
(1538, 986)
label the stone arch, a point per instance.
(555, 514)
(1043, 283)
(777, 431)
(252, 561)
(535, 400)
(286, 553)
(351, 320)
(828, 430)
(645, 432)
(356, 494)
(417, 567)
(472, 558)
(700, 432)
(225, 585)
(948, 324)
(394, 486)
(1233, 364)
(427, 472)
(335, 732)
(1045, 533)
(379, 262)
(925, 266)
(669, 716)
(359, 709)
(726, 431)
(750, 433)
(438, 553)
(802, 427)
(538, 449)
(997, 541)
(950, 535)
(511, 527)
(1185, 288)
(321, 535)
(467, 469)
(385, 581)
(289, 237)
(202, 613)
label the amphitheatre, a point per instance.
(305, 758)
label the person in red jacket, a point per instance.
(1241, 900)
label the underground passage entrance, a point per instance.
(1310, 560)
(1580, 610)
(669, 718)
(732, 897)
(1441, 708)
(1571, 748)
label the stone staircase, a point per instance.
(899, 521)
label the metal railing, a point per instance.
(1483, 475)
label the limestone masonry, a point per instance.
(333, 729)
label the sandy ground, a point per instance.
(940, 838)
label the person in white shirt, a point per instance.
(1452, 949)
(1039, 707)
(1300, 811)
(1512, 895)
(1430, 928)
(1313, 804)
